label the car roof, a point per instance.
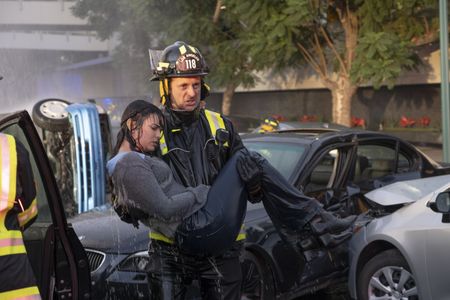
(294, 125)
(310, 136)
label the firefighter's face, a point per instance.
(147, 137)
(185, 92)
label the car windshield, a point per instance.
(283, 156)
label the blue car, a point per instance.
(77, 142)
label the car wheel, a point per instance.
(387, 276)
(51, 114)
(257, 278)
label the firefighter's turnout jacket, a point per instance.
(196, 145)
(18, 210)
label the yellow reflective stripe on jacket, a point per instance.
(215, 122)
(241, 236)
(11, 242)
(160, 237)
(8, 172)
(28, 214)
(28, 293)
(163, 144)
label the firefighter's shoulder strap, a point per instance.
(215, 122)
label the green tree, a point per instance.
(144, 24)
(346, 42)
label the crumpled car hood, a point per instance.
(407, 191)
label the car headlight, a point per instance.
(136, 262)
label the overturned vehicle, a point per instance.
(77, 140)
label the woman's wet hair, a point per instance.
(137, 111)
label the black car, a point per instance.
(336, 168)
(57, 257)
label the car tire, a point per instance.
(50, 114)
(257, 278)
(383, 270)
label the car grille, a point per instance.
(96, 259)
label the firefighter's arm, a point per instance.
(234, 140)
(26, 204)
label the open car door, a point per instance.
(58, 259)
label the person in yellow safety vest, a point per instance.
(270, 124)
(18, 210)
(196, 143)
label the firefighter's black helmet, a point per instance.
(181, 60)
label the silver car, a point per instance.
(401, 250)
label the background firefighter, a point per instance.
(18, 210)
(270, 124)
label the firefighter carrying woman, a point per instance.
(192, 189)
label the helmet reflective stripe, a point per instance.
(215, 122)
(182, 49)
(28, 214)
(28, 293)
(162, 64)
(192, 49)
(8, 173)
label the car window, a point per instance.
(323, 173)
(44, 215)
(283, 156)
(376, 161)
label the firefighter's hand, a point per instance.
(251, 174)
(130, 214)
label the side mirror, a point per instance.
(442, 205)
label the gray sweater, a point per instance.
(147, 183)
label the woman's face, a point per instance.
(147, 137)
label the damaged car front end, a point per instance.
(401, 250)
